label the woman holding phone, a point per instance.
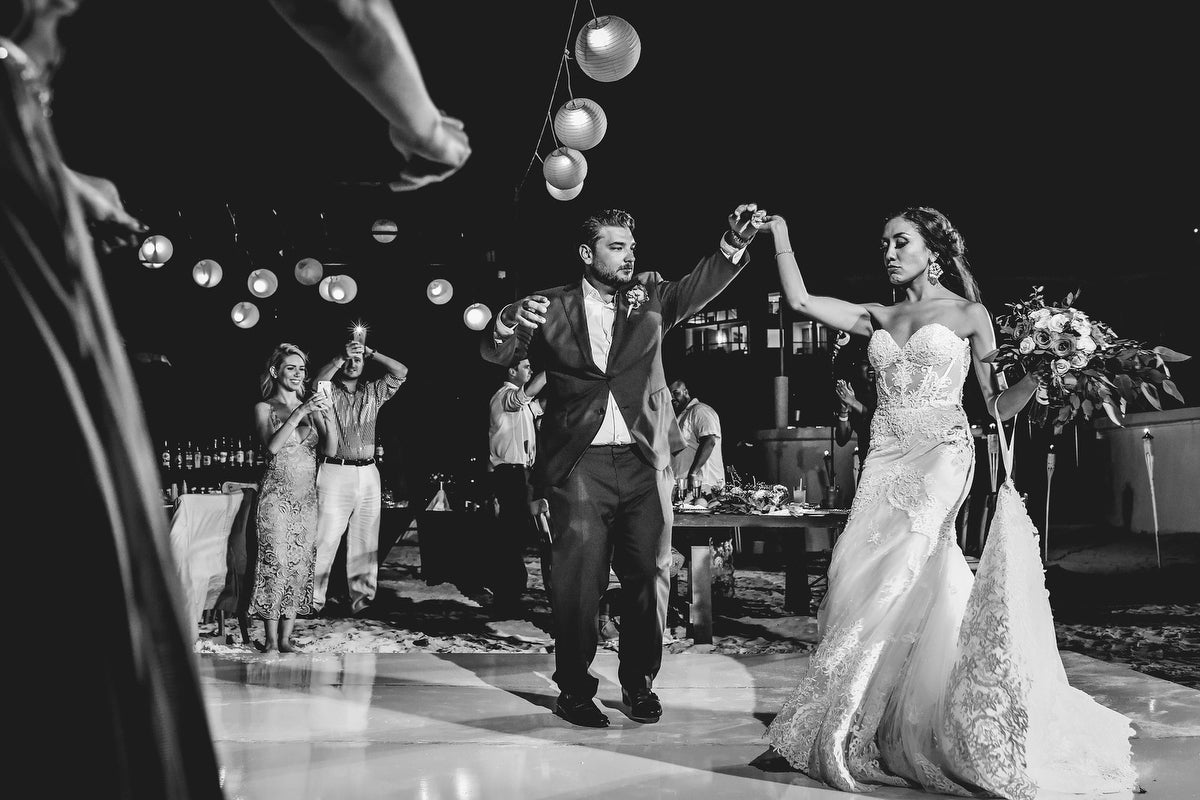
(292, 424)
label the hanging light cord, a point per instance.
(562, 64)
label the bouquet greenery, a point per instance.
(1081, 363)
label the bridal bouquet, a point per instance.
(1082, 363)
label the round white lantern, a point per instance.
(384, 230)
(207, 273)
(607, 49)
(343, 289)
(245, 315)
(477, 316)
(439, 291)
(155, 251)
(309, 271)
(580, 123)
(564, 168)
(262, 283)
(564, 194)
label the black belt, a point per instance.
(348, 462)
(510, 466)
(613, 446)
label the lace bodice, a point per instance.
(920, 385)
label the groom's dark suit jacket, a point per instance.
(577, 390)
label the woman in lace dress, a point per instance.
(892, 696)
(290, 426)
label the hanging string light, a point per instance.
(477, 316)
(564, 194)
(262, 283)
(245, 315)
(207, 273)
(155, 251)
(607, 48)
(439, 291)
(384, 230)
(309, 271)
(565, 168)
(580, 123)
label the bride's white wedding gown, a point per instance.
(927, 676)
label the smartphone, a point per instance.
(325, 388)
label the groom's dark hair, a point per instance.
(589, 231)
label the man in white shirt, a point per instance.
(700, 461)
(606, 444)
(512, 448)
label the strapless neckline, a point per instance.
(916, 333)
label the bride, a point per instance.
(926, 676)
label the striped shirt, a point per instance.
(356, 413)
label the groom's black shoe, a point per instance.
(643, 705)
(580, 711)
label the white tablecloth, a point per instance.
(200, 528)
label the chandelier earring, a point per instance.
(934, 272)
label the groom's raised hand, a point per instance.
(526, 312)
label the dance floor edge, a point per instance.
(462, 726)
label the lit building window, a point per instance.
(773, 301)
(715, 330)
(809, 337)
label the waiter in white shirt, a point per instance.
(512, 446)
(700, 461)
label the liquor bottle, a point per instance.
(223, 453)
(178, 456)
(239, 455)
(189, 459)
(248, 452)
(197, 458)
(165, 455)
(378, 454)
(207, 458)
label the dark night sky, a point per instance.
(1063, 147)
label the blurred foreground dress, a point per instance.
(113, 701)
(927, 676)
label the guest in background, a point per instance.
(512, 447)
(856, 391)
(348, 483)
(700, 461)
(290, 426)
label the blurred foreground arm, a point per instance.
(365, 43)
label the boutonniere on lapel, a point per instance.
(635, 295)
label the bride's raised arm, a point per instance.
(1005, 401)
(839, 314)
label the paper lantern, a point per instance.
(155, 251)
(309, 271)
(262, 283)
(323, 288)
(564, 168)
(343, 289)
(564, 194)
(607, 49)
(439, 291)
(384, 230)
(580, 123)
(245, 315)
(207, 273)
(477, 316)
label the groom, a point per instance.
(606, 442)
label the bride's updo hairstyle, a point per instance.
(944, 240)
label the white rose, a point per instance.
(1026, 346)
(1061, 365)
(1078, 360)
(1082, 327)
(1086, 344)
(1058, 322)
